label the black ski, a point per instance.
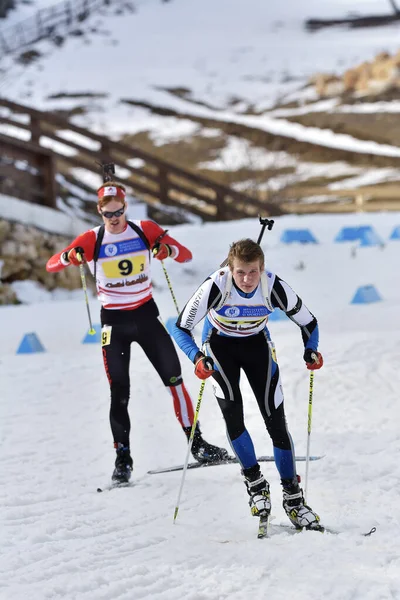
(226, 461)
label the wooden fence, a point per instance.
(27, 171)
(153, 180)
(370, 198)
(48, 22)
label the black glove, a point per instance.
(75, 256)
(203, 366)
(162, 251)
(313, 359)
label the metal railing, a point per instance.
(47, 23)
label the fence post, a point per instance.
(39, 24)
(35, 130)
(69, 14)
(163, 185)
(3, 44)
(20, 31)
(49, 180)
(219, 205)
(359, 202)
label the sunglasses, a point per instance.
(109, 215)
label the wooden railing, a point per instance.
(27, 171)
(369, 198)
(153, 180)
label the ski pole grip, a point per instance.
(264, 223)
(269, 223)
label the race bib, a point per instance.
(106, 335)
(115, 269)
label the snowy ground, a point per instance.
(63, 540)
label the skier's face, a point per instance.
(246, 275)
(113, 214)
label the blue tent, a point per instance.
(395, 233)
(365, 295)
(365, 233)
(277, 315)
(348, 234)
(304, 236)
(369, 237)
(30, 344)
(93, 338)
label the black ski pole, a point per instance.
(269, 223)
(265, 223)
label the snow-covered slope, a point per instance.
(252, 51)
(62, 540)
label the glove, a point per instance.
(313, 359)
(75, 256)
(161, 251)
(203, 366)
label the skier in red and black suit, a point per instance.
(118, 255)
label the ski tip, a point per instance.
(263, 527)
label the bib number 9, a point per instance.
(125, 267)
(106, 335)
(115, 269)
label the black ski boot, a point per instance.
(202, 451)
(123, 465)
(301, 515)
(258, 489)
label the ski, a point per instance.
(226, 461)
(321, 529)
(268, 529)
(114, 486)
(263, 527)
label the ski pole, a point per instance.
(92, 331)
(264, 223)
(166, 273)
(310, 400)
(196, 416)
(170, 287)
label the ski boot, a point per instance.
(300, 515)
(204, 452)
(123, 465)
(258, 490)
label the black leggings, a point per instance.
(143, 326)
(252, 354)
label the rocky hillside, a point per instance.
(24, 252)
(361, 102)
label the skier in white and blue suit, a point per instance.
(236, 301)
